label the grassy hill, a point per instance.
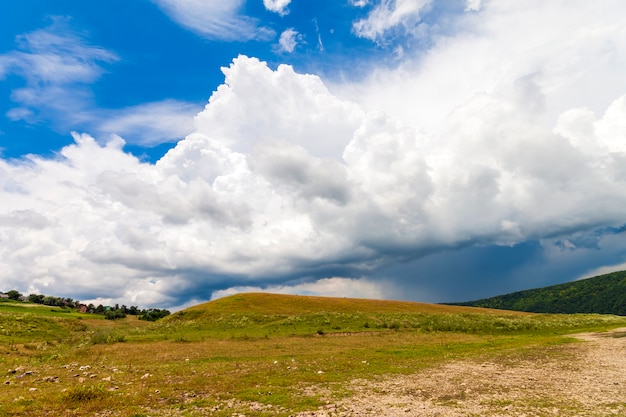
(603, 294)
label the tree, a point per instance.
(14, 295)
(36, 298)
(153, 314)
(52, 301)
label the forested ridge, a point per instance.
(603, 294)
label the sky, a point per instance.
(164, 153)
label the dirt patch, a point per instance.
(578, 379)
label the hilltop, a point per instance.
(602, 294)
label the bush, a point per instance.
(114, 314)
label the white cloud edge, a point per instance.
(388, 15)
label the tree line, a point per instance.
(109, 312)
(603, 294)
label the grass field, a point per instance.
(257, 354)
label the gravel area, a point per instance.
(577, 379)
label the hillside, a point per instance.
(603, 294)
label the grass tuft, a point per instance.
(84, 393)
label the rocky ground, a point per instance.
(577, 379)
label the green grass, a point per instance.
(10, 306)
(282, 354)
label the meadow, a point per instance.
(248, 354)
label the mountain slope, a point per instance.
(603, 294)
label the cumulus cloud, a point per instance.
(389, 15)
(286, 184)
(277, 6)
(215, 19)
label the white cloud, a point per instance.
(289, 40)
(277, 6)
(149, 123)
(215, 19)
(388, 15)
(54, 55)
(359, 3)
(328, 287)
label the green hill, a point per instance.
(603, 294)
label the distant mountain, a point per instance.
(603, 294)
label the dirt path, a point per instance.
(578, 379)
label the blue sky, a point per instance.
(166, 152)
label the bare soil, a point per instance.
(575, 379)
